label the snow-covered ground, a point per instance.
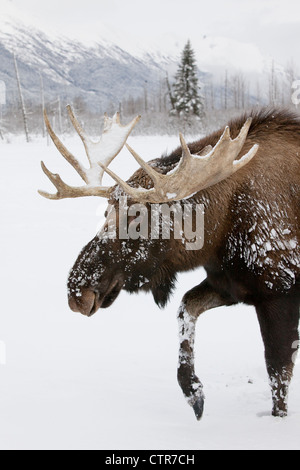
(109, 382)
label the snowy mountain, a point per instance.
(101, 73)
(105, 67)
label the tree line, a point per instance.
(180, 103)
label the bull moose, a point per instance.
(247, 178)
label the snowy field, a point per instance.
(109, 382)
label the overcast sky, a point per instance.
(273, 25)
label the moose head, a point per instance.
(110, 262)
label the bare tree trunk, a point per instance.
(146, 96)
(21, 99)
(2, 102)
(273, 86)
(43, 104)
(212, 96)
(59, 115)
(226, 91)
(1, 134)
(172, 100)
(258, 94)
(161, 102)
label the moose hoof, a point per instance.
(279, 413)
(198, 408)
(197, 402)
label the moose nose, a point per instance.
(83, 302)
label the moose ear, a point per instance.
(163, 290)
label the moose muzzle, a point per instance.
(87, 301)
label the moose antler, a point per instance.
(100, 154)
(194, 172)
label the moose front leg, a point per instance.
(279, 320)
(195, 302)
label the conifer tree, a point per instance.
(186, 96)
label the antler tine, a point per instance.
(186, 154)
(154, 175)
(56, 180)
(64, 151)
(244, 131)
(116, 118)
(65, 191)
(76, 123)
(246, 158)
(229, 149)
(85, 139)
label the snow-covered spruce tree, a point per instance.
(187, 101)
